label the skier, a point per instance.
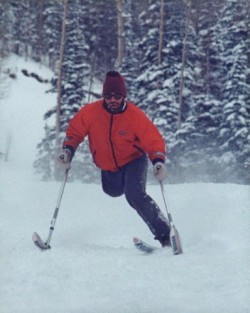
(121, 137)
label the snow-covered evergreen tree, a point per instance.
(101, 34)
(51, 32)
(45, 154)
(6, 22)
(234, 131)
(131, 59)
(158, 83)
(75, 75)
(196, 138)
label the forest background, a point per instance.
(186, 64)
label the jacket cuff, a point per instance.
(71, 149)
(154, 161)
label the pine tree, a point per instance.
(76, 73)
(51, 32)
(131, 61)
(158, 84)
(75, 77)
(196, 139)
(101, 34)
(18, 10)
(6, 22)
(234, 132)
(44, 163)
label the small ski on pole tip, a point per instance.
(45, 245)
(174, 234)
(39, 242)
(175, 241)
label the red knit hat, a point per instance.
(114, 83)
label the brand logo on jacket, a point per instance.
(122, 133)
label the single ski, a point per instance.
(143, 246)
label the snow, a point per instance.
(93, 266)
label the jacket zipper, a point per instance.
(110, 140)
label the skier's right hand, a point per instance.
(64, 158)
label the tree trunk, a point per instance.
(180, 114)
(59, 85)
(92, 74)
(120, 32)
(183, 67)
(40, 33)
(161, 33)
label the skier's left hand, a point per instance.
(64, 158)
(160, 171)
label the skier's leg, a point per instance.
(113, 182)
(135, 192)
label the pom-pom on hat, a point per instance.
(114, 83)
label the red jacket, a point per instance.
(115, 139)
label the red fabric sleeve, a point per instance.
(150, 138)
(77, 130)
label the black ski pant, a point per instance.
(130, 180)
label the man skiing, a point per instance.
(121, 137)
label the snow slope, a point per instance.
(93, 266)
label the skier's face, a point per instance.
(113, 101)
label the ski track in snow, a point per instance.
(93, 266)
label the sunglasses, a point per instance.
(109, 96)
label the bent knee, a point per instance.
(112, 192)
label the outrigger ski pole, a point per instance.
(174, 235)
(36, 238)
